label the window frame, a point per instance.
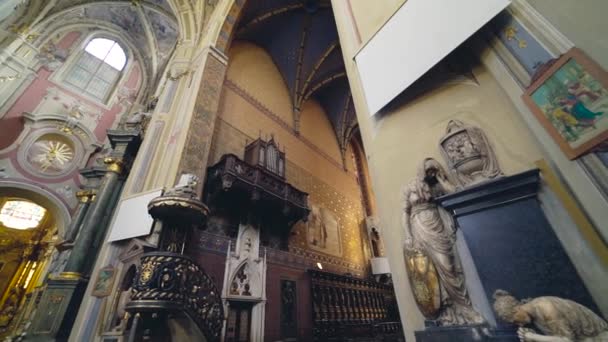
(60, 77)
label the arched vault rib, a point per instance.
(299, 100)
(150, 37)
(266, 16)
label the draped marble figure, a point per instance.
(560, 320)
(431, 229)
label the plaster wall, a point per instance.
(256, 101)
(48, 95)
(370, 16)
(399, 138)
(584, 23)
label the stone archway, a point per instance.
(41, 196)
(26, 251)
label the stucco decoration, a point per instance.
(430, 234)
(558, 319)
(52, 146)
(74, 109)
(51, 154)
(151, 27)
(51, 56)
(469, 154)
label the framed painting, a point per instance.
(570, 99)
(104, 282)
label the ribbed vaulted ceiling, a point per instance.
(301, 38)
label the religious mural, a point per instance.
(323, 230)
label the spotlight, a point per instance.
(319, 266)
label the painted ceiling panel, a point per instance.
(137, 20)
(165, 32)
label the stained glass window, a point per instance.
(18, 214)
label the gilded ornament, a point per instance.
(511, 34)
(50, 155)
(146, 272)
(114, 164)
(424, 281)
(70, 275)
(86, 196)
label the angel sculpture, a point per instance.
(560, 320)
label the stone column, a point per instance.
(85, 239)
(59, 305)
(85, 197)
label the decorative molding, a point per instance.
(553, 40)
(296, 257)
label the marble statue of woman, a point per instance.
(560, 320)
(430, 229)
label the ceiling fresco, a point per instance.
(150, 25)
(302, 39)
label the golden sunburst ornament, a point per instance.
(51, 155)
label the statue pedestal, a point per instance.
(464, 334)
(507, 243)
(57, 310)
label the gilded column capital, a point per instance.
(69, 276)
(114, 164)
(86, 196)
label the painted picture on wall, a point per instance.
(323, 231)
(570, 99)
(104, 282)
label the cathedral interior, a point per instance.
(303, 170)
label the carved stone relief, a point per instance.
(245, 269)
(469, 154)
(245, 278)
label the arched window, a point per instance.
(17, 214)
(98, 68)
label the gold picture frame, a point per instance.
(570, 99)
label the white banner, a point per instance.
(132, 218)
(419, 35)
